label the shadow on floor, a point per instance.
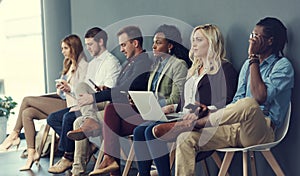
(10, 162)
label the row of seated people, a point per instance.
(211, 81)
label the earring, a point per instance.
(169, 51)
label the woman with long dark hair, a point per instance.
(166, 81)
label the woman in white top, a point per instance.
(74, 71)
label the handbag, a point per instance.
(38, 140)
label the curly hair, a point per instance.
(216, 50)
(273, 27)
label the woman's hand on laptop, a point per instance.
(168, 109)
(130, 100)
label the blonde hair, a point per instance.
(216, 51)
(76, 49)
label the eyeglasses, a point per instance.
(252, 35)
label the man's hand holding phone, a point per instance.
(200, 110)
(128, 96)
(95, 86)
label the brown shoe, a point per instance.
(170, 131)
(61, 166)
(90, 127)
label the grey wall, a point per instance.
(236, 19)
(56, 22)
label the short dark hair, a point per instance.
(273, 27)
(97, 33)
(133, 33)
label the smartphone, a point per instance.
(124, 92)
(93, 83)
(192, 107)
(59, 81)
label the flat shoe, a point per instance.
(112, 167)
(61, 166)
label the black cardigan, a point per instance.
(217, 89)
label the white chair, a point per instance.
(280, 133)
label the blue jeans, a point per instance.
(62, 122)
(152, 149)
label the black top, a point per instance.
(134, 76)
(217, 89)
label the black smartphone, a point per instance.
(192, 107)
(93, 83)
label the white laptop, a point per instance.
(149, 108)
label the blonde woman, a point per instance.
(211, 80)
(259, 106)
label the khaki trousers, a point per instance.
(83, 147)
(87, 110)
(238, 125)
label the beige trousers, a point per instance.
(238, 125)
(36, 107)
(87, 110)
(83, 147)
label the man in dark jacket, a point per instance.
(134, 76)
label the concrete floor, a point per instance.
(10, 162)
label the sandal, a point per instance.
(24, 154)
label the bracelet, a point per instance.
(254, 60)
(253, 56)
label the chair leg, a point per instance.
(273, 163)
(129, 161)
(252, 162)
(172, 155)
(245, 163)
(123, 154)
(226, 163)
(100, 156)
(217, 160)
(52, 149)
(204, 167)
(44, 139)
